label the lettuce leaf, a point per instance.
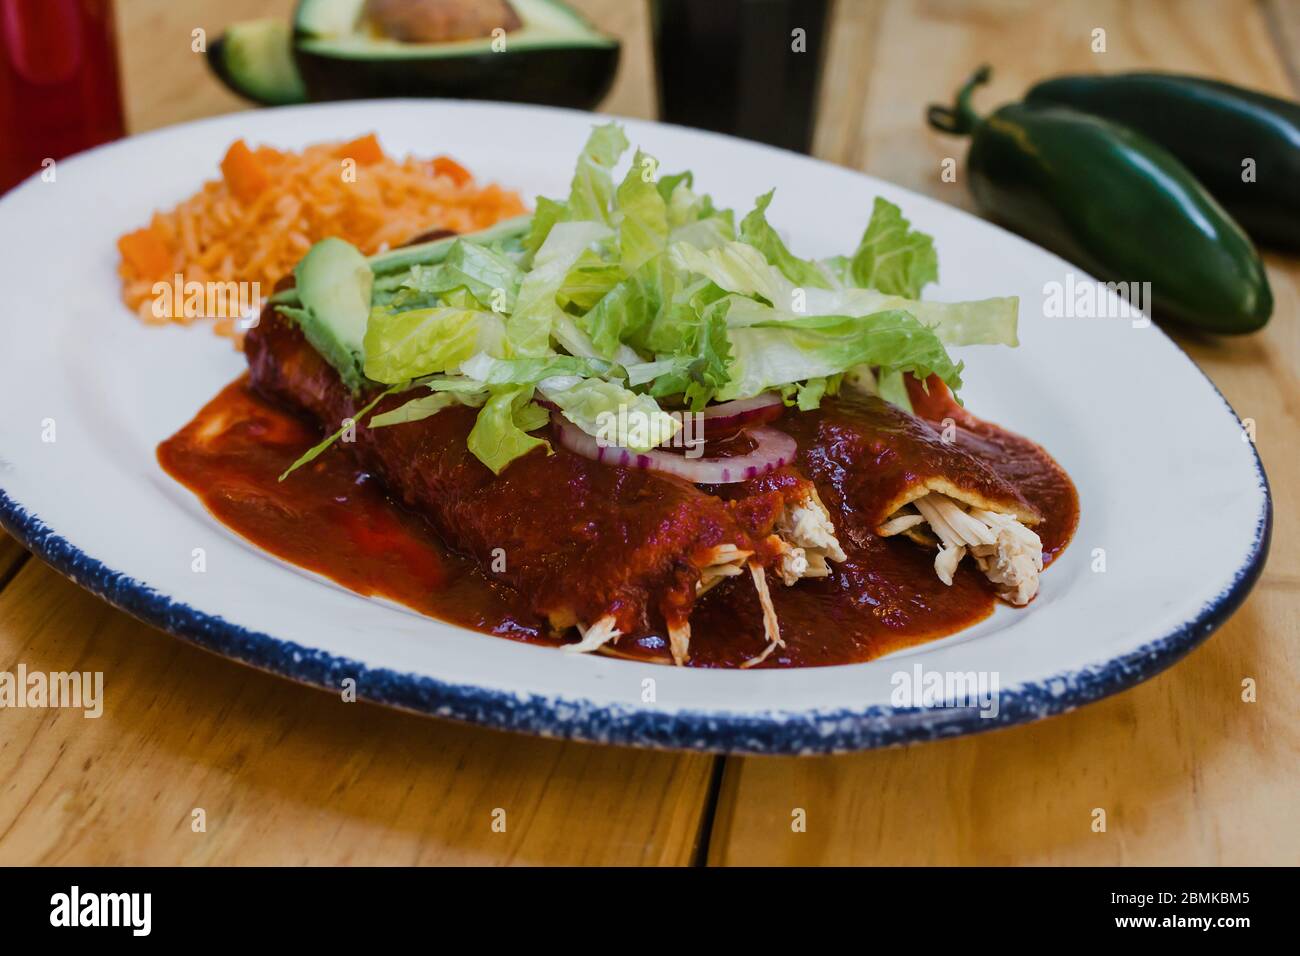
(755, 230)
(500, 433)
(623, 311)
(981, 322)
(892, 388)
(316, 450)
(796, 348)
(528, 330)
(589, 279)
(490, 371)
(735, 267)
(613, 413)
(489, 276)
(592, 190)
(643, 227)
(547, 214)
(892, 257)
(667, 185)
(414, 410)
(401, 346)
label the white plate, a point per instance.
(1168, 486)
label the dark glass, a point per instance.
(58, 82)
(731, 66)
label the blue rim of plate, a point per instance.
(774, 732)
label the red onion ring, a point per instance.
(772, 450)
(730, 416)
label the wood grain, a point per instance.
(287, 774)
(1186, 771)
(164, 79)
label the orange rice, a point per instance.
(256, 221)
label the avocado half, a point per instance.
(554, 57)
(255, 59)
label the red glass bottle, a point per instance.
(59, 90)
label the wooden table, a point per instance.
(1187, 772)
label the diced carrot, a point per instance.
(268, 154)
(146, 253)
(244, 172)
(364, 149)
(446, 166)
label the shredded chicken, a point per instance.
(807, 529)
(771, 626)
(1008, 553)
(679, 641)
(806, 539)
(724, 561)
(595, 637)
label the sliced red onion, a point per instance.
(772, 449)
(730, 416)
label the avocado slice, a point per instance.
(334, 281)
(390, 269)
(255, 59)
(553, 56)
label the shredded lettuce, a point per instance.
(982, 322)
(547, 214)
(892, 257)
(643, 226)
(316, 450)
(635, 294)
(592, 189)
(891, 386)
(591, 277)
(489, 276)
(618, 316)
(414, 410)
(755, 230)
(401, 346)
(613, 413)
(529, 371)
(735, 267)
(528, 330)
(797, 348)
(500, 433)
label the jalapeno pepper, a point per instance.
(1115, 203)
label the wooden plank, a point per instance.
(1186, 771)
(291, 775)
(1283, 17)
(634, 91)
(164, 79)
(841, 103)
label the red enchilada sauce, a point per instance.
(336, 520)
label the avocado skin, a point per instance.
(577, 77)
